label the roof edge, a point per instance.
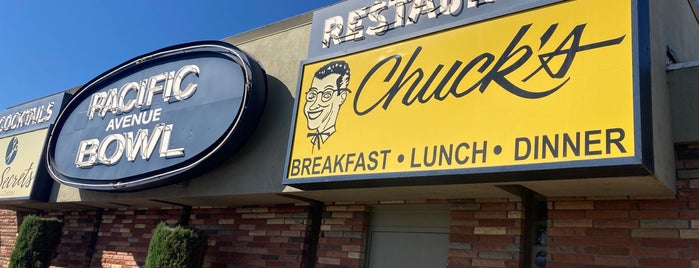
(271, 29)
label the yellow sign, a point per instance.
(549, 85)
(21, 158)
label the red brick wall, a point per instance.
(124, 235)
(8, 235)
(264, 236)
(79, 228)
(486, 233)
(658, 231)
(343, 236)
(626, 232)
(220, 227)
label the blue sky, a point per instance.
(51, 46)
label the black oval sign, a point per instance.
(150, 119)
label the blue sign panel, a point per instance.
(351, 26)
(33, 115)
(157, 116)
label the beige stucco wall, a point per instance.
(684, 96)
(683, 77)
(673, 25)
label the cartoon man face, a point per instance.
(324, 98)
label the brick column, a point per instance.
(343, 236)
(8, 235)
(486, 233)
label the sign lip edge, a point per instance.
(163, 174)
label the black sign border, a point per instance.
(641, 164)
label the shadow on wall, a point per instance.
(272, 132)
(258, 166)
(124, 235)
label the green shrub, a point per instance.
(36, 242)
(175, 247)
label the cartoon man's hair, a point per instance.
(336, 67)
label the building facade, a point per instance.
(462, 134)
